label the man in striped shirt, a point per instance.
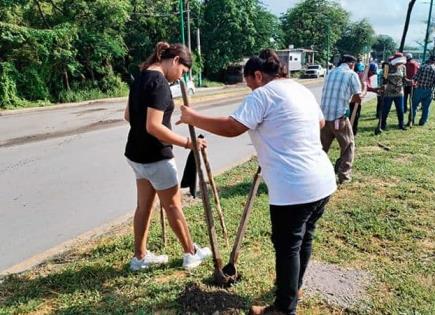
(341, 86)
(425, 83)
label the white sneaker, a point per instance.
(191, 261)
(148, 260)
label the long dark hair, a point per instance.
(164, 50)
(268, 63)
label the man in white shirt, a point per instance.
(282, 118)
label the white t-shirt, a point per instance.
(283, 120)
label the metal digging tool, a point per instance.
(217, 260)
(215, 193)
(229, 270)
(410, 115)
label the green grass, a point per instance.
(382, 222)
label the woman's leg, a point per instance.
(142, 216)
(171, 201)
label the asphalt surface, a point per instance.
(63, 173)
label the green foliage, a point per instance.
(318, 24)
(384, 47)
(8, 87)
(235, 29)
(357, 38)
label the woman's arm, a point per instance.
(222, 126)
(155, 127)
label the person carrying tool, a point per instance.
(283, 120)
(341, 86)
(149, 153)
(425, 84)
(411, 70)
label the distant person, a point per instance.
(341, 86)
(149, 153)
(411, 70)
(283, 120)
(394, 90)
(424, 86)
(359, 66)
(367, 86)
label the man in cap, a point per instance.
(425, 83)
(341, 86)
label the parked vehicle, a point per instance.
(176, 88)
(316, 71)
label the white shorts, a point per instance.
(162, 174)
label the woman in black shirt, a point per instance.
(149, 153)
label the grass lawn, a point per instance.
(381, 222)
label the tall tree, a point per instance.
(317, 24)
(357, 38)
(405, 27)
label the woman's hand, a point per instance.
(200, 144)
(187, 115)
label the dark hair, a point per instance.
(348, 59)
(164, 50)
(267, 62)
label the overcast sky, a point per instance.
(386, 16)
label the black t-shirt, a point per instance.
(150, 89)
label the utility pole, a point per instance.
(181, 9)
(189, 42)
(427, 31)
(198, 41)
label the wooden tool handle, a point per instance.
(203, 187)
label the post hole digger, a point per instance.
(229, 271)
(227, 275)
(217, 260)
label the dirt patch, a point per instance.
(346, 288)
(201, 299)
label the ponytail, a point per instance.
(164, 50)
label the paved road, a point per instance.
(55, 189)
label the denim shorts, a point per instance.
(162, 174)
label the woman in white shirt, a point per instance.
(282, 118)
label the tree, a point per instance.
(315, 23)
(234, 29)
(357, 38)
(384, 46)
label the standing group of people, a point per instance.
(291, 133)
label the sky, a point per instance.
(386, 16)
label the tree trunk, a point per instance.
(66, 80)
(405, 28)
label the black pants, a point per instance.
(292, 236)
(358, 113)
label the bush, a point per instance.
(8, 87)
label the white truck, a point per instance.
(316, 71)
